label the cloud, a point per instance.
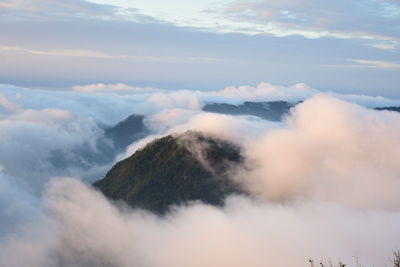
(232, 127)
(75, 102)
(178, 99)
(197, 235)
(328, 149)
(375, 64)
(17, 206)
(265, 91)
(324, 181)
(39, 144)
(390, 46)
(63, 53)
(87, 53)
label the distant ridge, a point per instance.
(397, 109)
(273, 110)
(127, 131)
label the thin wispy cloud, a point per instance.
(367, 64)
(375, 64)
(313, 19)
(64, 53)
(100, 54)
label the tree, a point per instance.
(396, 258)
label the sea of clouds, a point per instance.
(325, 181)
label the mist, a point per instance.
(324, 181)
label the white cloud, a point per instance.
(331, 150)
(267, 91)
(39, 144)
(244, 232)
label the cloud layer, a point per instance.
(324, 180)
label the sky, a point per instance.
(341, 46)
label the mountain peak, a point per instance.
(174, 170)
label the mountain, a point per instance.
(173, 170)
(273, 111)
(397, 109)
(127, 131)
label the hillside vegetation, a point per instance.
(173, 170)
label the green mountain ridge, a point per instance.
(174, 170)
